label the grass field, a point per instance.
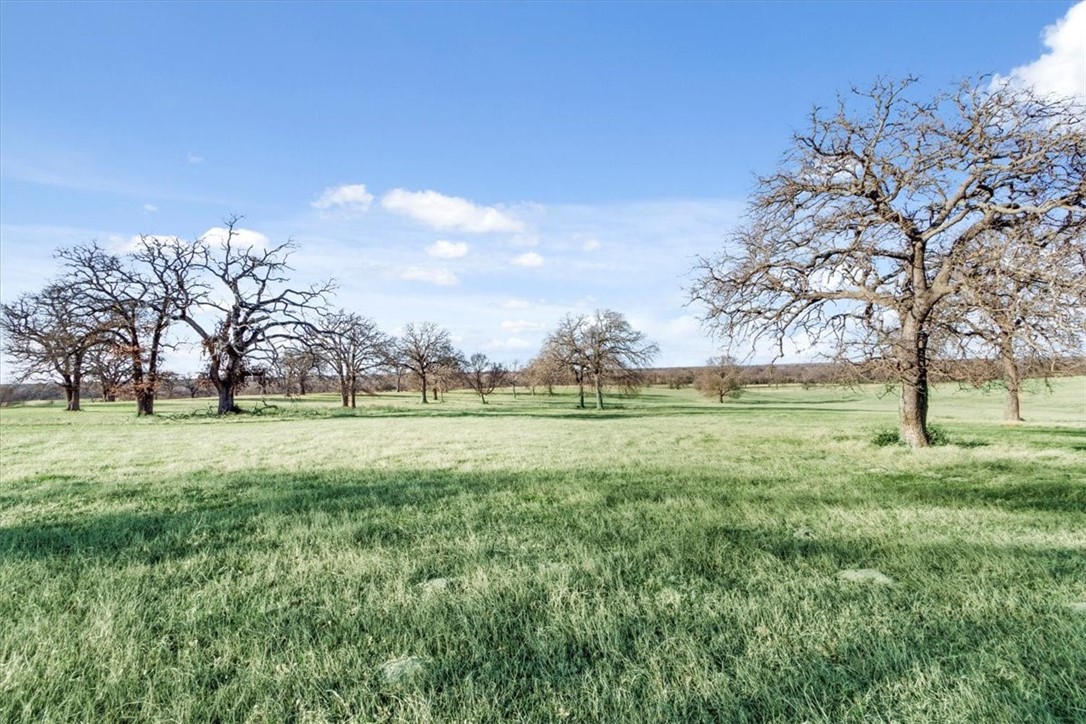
(670, 559)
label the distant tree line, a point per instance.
(109, 320)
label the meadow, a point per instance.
(668, 559)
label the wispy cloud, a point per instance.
(449, 212)
(149, 208)
(59, 171)
(442, 249)
(194, 158)
(348, 198)
(439, 277)
(516, 304)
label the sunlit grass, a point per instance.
(666, 559)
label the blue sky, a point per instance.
(489, 167)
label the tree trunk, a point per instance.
(145, 401)
(913, 358)
(425, 399)
(226, 383)
(1012, 377)
(226, 398)
(343, 392)
(599, 391)
(71, 393)
(143, 384)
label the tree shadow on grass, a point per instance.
(234, 512)
(196, 513)
(1009, 485)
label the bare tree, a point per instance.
(483, 375)
(616, 352)
(142, 293)
(50, 333)
(110, 367)
(720, 378)
(446, 377)
(1023, 298)
(601, 347)
(352, 346)
(168, 382)
(252, 306)
(857, 241)
(563, 349)
(299, 364)
(423, 349)
(546, 371)
(513, 375)
(196, 385)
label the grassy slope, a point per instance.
(669, 560)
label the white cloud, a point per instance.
(528, 259)
(194, 159)
(447, 249)
(149, 208)
(1062, 70)
(346, 198)
(590, 245)
(516, 326)
(440, 277)
(449, 212)
(516, 304)
(243, 238)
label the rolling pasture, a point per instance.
(668, 559)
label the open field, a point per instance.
(668, 560)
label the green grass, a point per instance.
(670, 559)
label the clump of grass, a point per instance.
(938, 435)
(885, 438)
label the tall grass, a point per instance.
(669, 560)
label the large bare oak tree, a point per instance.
(861, 235)
(246, 308)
